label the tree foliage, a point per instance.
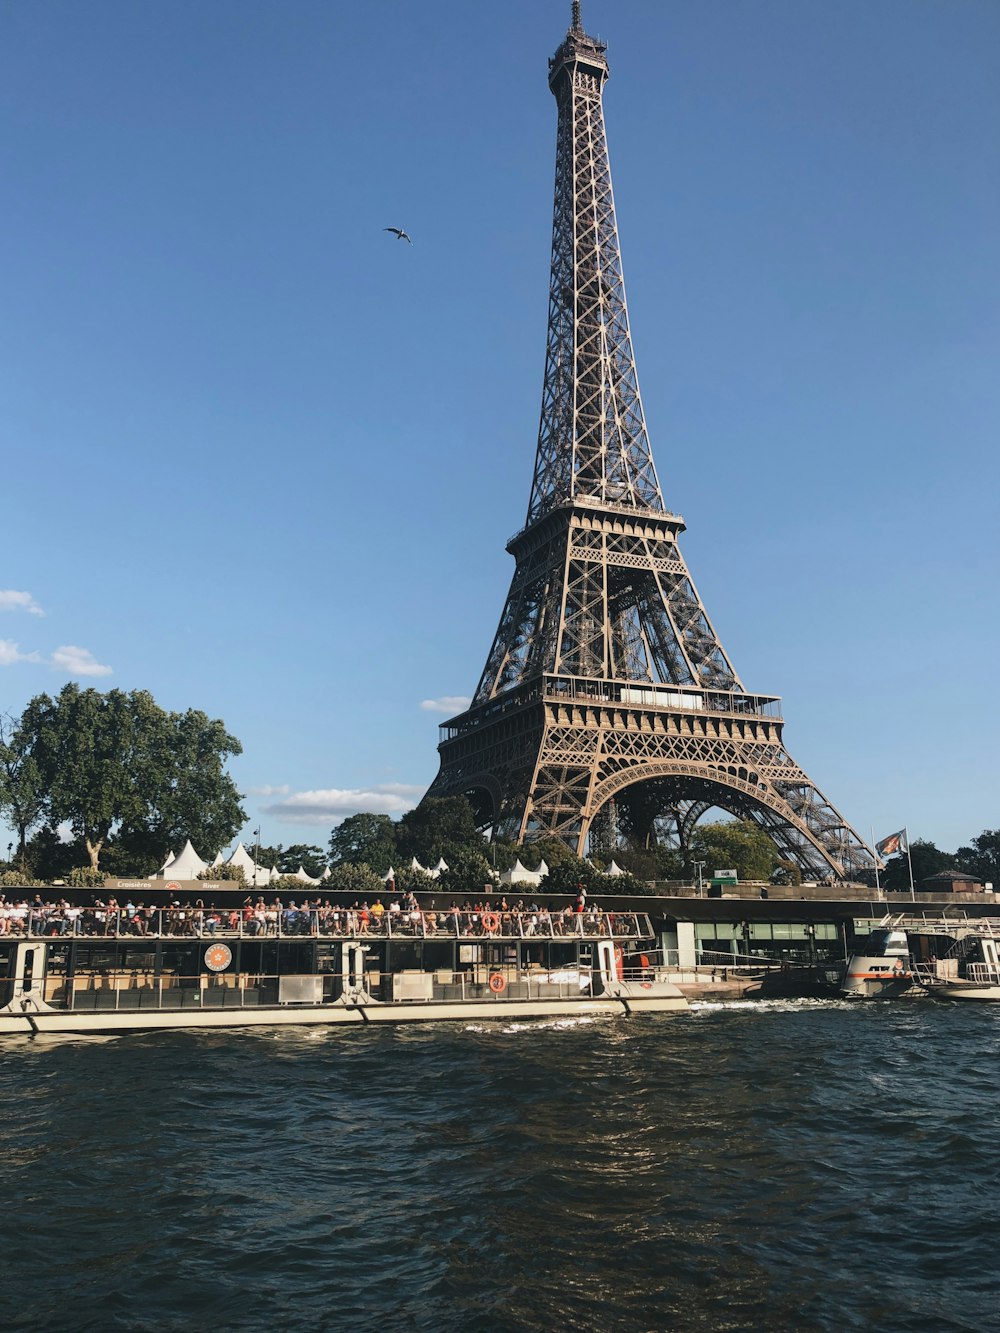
(22, 790)
(926, 858)
(736, 844)
(118, 765)
(440, 826)
(360, 879)
(982, 857)
(364, 839)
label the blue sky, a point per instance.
(262, 459)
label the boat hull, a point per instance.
(60, 1022)
(956, 990)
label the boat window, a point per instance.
(181, 960)
(90, 956)
(5, 952)
(404, 955)
(327, 957)
(563, 955)
(57, 960)
(438, 953)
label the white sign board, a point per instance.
(724, 874)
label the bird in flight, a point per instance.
(399, 235)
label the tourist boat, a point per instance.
(203, 970)
(882, 969)
(970, 968)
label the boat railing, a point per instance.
(143, 988)
(326, 922)
(983, 974)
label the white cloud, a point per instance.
(19, 601)
(332, 804)
(79, 661)
(266, 790)
(10, 652)
(448, 703)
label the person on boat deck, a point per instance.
(378, 907)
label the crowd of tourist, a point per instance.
(311, 916)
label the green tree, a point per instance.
(982, 857)
(118, 762)
(312, 859)
(359, 879)
(570, 874)
(22, 788)
(736, 844)
(439, 826)
(926, 860)
(364, 839)
(468, 873)
(550, 850)
(49, 858)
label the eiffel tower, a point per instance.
(608, 706)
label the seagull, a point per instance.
(399, 235)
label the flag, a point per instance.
(895, 842)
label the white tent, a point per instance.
(415, 865)
(219, 860)
(441, 866)
(390, 874)
(519, 874)
(187, 864)
(303, 878)
(614, 869)
(253, 874)
(171, 858)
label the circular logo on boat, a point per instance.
(172, 887)
(218, 957)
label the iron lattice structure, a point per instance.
(608, 705)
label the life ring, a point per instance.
(619, 963)
(498, 983)
(491, 923)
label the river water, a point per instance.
(784, 1165)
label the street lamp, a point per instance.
(700, 866)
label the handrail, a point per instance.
(326, 922)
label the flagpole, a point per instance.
(878, 886)
(909, 862)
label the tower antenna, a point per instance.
(576, 24)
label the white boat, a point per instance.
(882, 969)
(970, 968)
(195, 970)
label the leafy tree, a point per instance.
(736, 844)
(571, 873)
(550, 850)
(468, 873)
(364, 839)
(221, 874)
(22, 789)
(927, 860)
(312, 859)
(49, 858)
(982, 858)
(360, 879)
(118, 762)
(85, 877)
(439, 826)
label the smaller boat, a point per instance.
(970, 969)
(882, 969)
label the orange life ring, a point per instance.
(491, 923)
(498, 983)
(619, 963)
